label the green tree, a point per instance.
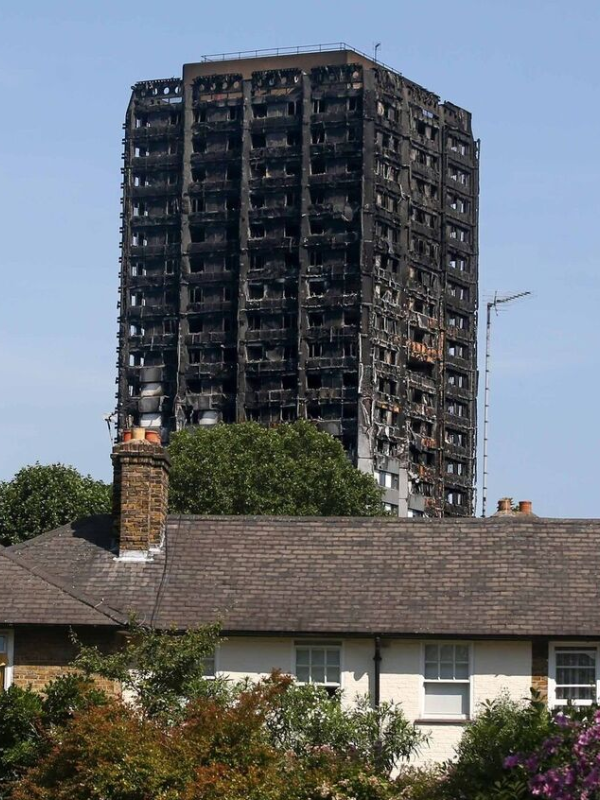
(167, 667)
(502, 727)
(247, 468)
(42, 497)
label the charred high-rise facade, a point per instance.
(300, 241)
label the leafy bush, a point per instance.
(28, 721)
(219, 751)
(106, 752)
(421, 783)
(502, 727)
(20, 736)
(66, 695)
(305, 717)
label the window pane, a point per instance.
(581, 659)
(319, 664)
(573, 675)
(447, 652)
(431, 652)
(333, 675)
(431, 671)
(208, 667)
(302, 674)
(447, 699)
(317, 674)
(461, 671)
(575, 692)
(446, 670)
(462, 653)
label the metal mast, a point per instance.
(486, 402)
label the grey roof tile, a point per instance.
(31, 595)
(494, 577)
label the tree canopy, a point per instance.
(42, 497)
(247, 468)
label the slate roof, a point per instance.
(30, 595)
(499, 577)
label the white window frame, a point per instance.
(467, 681)
(553, 702)
(319, 643)
(10, 652)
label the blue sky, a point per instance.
(527, 69)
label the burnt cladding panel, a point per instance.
(412, 296)
(150, 262)
(460, 181)
(268, 344)
(211, 241)
(423, 301)
(330, 285)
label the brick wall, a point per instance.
(539, 667)
(41, 654)
(140, 494)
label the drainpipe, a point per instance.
(378, 748)
(377, 682)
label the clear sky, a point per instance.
(528, 71)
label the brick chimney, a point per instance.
(140, 495)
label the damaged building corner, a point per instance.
(300, 241)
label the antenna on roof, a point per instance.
(108, 418)
(492, 304)
(376, 47)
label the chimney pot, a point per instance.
(505, 505)
(525, 507)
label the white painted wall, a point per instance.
(497, 666)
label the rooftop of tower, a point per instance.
(246, 62)
(292, 52)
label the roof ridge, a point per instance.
(100, 606)
(42, 537)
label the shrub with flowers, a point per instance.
(567, 764)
